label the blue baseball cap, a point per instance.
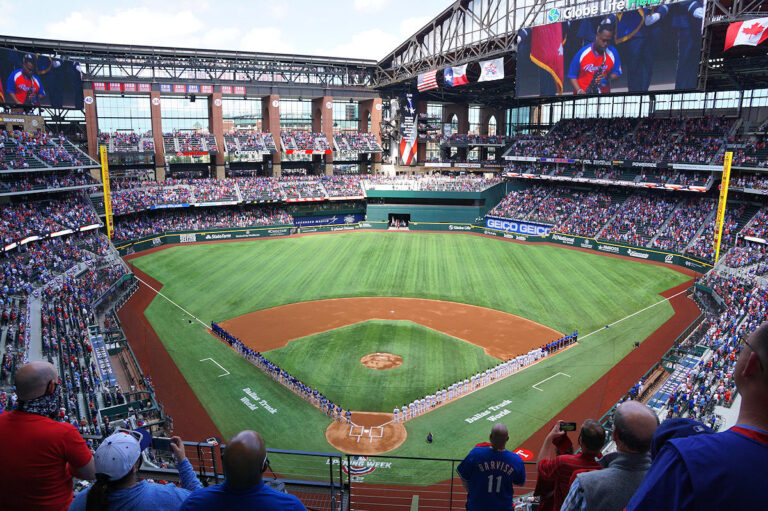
(676, 428)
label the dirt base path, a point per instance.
(502, 335)
(371, 433)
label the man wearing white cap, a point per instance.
(117, 487)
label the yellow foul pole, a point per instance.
(107, 193)
(721, 205)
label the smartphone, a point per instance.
(161, 444)
(567, 426)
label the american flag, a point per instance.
(427, 81)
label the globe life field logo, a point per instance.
(553, 15)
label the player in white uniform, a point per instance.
(396, 414)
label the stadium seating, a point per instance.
(357, 142)
(302, 141)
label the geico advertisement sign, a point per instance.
(517, 227)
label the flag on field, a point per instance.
(456, 75)
(427, 81)
(746, 33)
(547, 51)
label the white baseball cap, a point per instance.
(118, 453)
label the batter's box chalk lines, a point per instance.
(546, 379)
(212, 360)
(356, 434)
(185, 311)
(377, 429)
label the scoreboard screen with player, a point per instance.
(30, 80)
(653, 48)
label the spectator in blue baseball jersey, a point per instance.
(489, 473)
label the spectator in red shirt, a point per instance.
(558, 469)
(41, 455)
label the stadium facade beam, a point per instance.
(467, 31)
(107, 62)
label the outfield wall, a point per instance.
(570, 240)
(167, 238)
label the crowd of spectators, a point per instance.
(356, 142)
(685, 222)
(639, 218)
(45, 181)
(342, 186)
(433, 183)
(591, 215)
(44, 217)
(704, 243)
(138, 196)
(249, 141)
(133, 227)
(758, 226)
(692, 140)
(26, 150)
(303, 141)
(127, 141)
(464, 140)
(752, 181)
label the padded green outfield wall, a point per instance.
(166, 238)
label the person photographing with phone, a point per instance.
(558, 469)
(118, 488)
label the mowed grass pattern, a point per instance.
(431, 361)
(561, 288)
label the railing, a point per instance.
(344, 482)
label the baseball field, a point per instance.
(448, 305)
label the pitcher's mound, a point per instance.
(381, 360)
(368, 434)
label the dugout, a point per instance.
(432, 206)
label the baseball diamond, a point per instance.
(261, 302)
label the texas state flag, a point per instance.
(746, 33)
(456, 75)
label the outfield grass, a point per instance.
(431, 361)
(564, 289)
(558, 287)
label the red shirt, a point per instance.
(36, 452)
(559, 470)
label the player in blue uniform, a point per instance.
(488, 473)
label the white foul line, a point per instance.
(634, 314)
(212, 360)
(542, 381)
(174, 303)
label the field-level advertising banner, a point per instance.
(407, 113)
(107, 191)
(727, 159)
(628, 46)
(28, 79)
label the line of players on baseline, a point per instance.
(313, 396)
(476, 381)
(413, 409)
